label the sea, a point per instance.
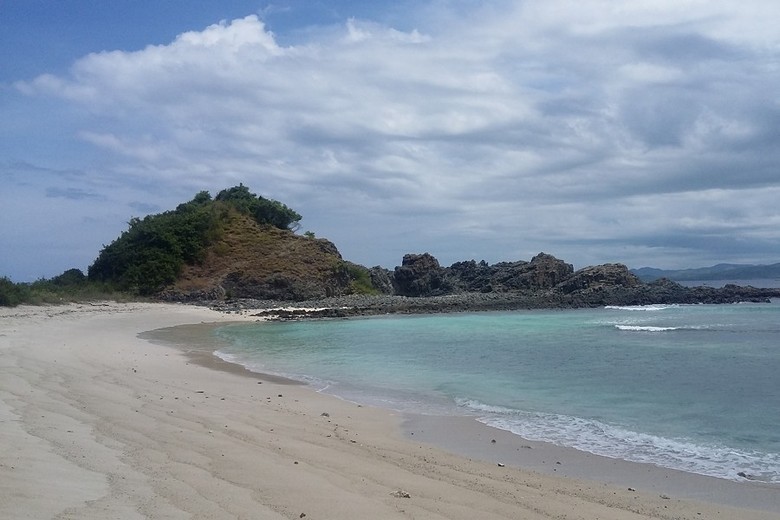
(689, 387)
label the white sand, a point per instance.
(96, 423)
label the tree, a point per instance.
(264, 211)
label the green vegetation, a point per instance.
(264, 211)
(70, 286)
(360, 279)
(12, 294)
(151, 253)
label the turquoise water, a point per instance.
(689, 387)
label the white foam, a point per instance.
(615, 442)
(641, 307)
(645, 328)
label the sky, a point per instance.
(643, 132)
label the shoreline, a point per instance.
(98, 422)
(466, 436)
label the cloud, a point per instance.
(145, 208)
(71, 193)
(518, 125)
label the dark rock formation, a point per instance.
(419, 275)
(598, 277)
(313, 272)
(427, 278)
(274, 287)
(470, 276)
(545, 271)
(381, 279)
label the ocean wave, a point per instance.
(615, 442)
(641, 307)
(645, 328)
(230, 358)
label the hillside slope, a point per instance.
(249, 260)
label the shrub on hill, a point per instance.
(264, 211)
(359, 278)
(151, 253)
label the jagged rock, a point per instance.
(327, 247)
(510, 276)
(381, 279)
(471, 276)
(599, 277)
(545, 271)
(419, 275)
(542, 272)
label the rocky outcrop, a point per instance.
(419, 275)
(542, 272)
(598, 277)
(280, 287)
(381, 279)
(545, 281)
(545, 271)
(470, 276)
(275, 266)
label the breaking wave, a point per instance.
(620, 443)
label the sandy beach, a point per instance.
(99, 423)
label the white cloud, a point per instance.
(521, 122)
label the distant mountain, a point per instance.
(715, 272)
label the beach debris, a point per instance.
(501, 464)
(400, 494)
(665, 497)
(493, 441)
(747, 475)
(324, 414)
(302, 515)
(631, 489)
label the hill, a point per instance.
(235, 245)
(715, 272)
